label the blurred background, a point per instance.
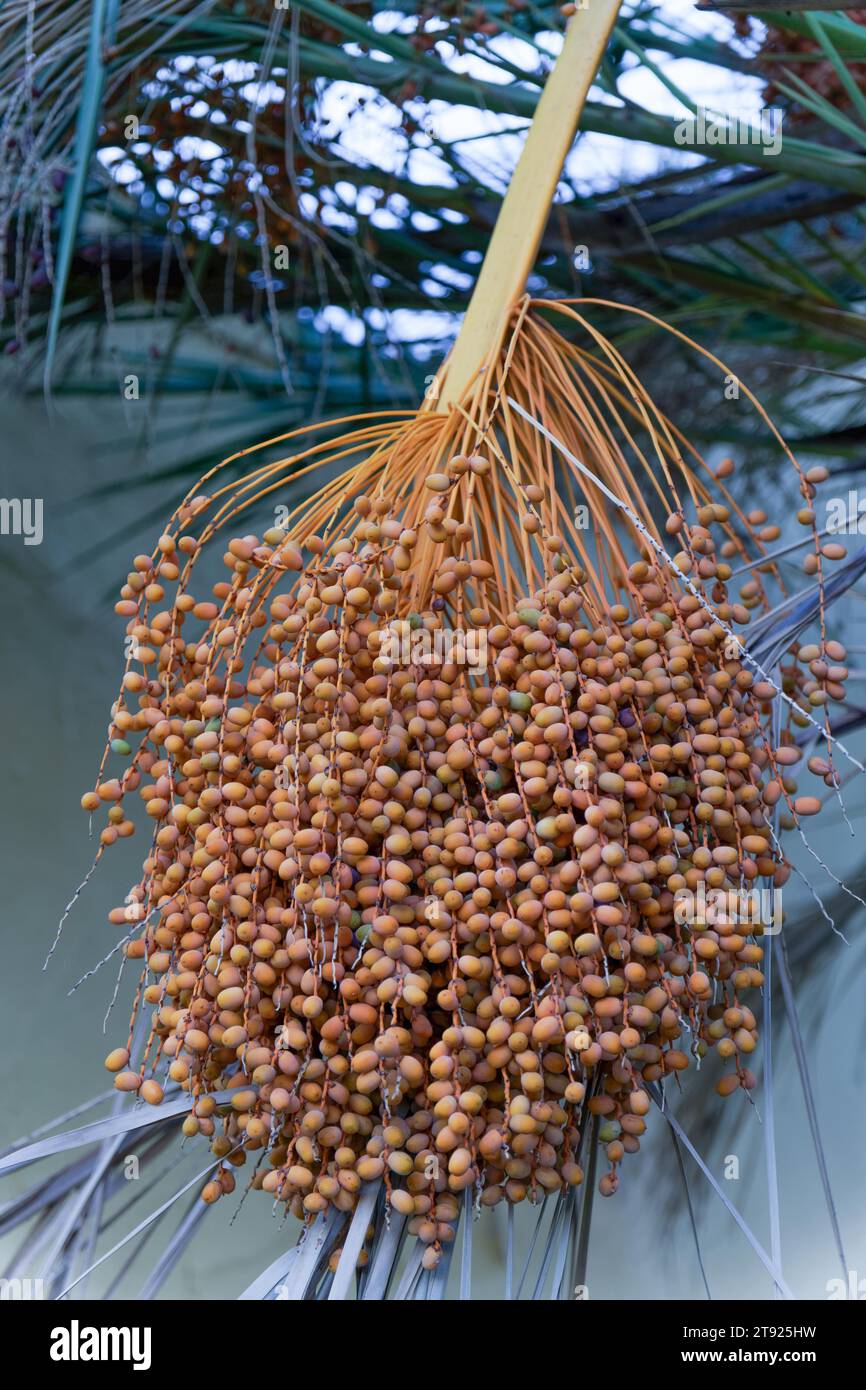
(222, 220)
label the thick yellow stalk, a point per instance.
(526, 206)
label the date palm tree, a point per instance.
(286, 207)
